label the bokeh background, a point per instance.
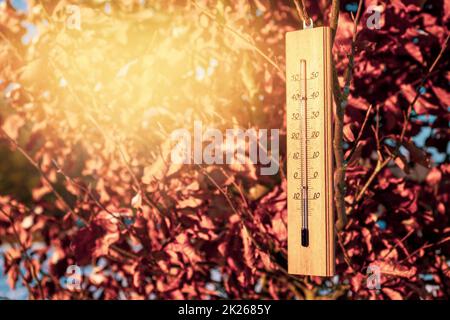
(85, 179)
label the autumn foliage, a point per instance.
(85, 176)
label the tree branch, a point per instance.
(341, 100)
(334, 20)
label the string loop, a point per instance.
(303, 14)
(308, 25)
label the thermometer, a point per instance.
(309, 147)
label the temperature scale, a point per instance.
(309, 148)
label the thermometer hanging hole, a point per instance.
(308, 25)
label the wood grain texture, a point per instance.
(314, 47)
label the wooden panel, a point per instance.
(309, 147)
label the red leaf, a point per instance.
(83, 244)
(417, 155)
(392, 294)
(434, 177)
(414, 51)
(12, 126)
(248, 252)
(136, 202)
(348, 133)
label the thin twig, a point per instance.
(382, 164)
(242, 37)
(344, 251)
(398, 243)
(411, 105)
(424, 247)
(301, 10)
(360, 133)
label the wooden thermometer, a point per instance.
(309, 148)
